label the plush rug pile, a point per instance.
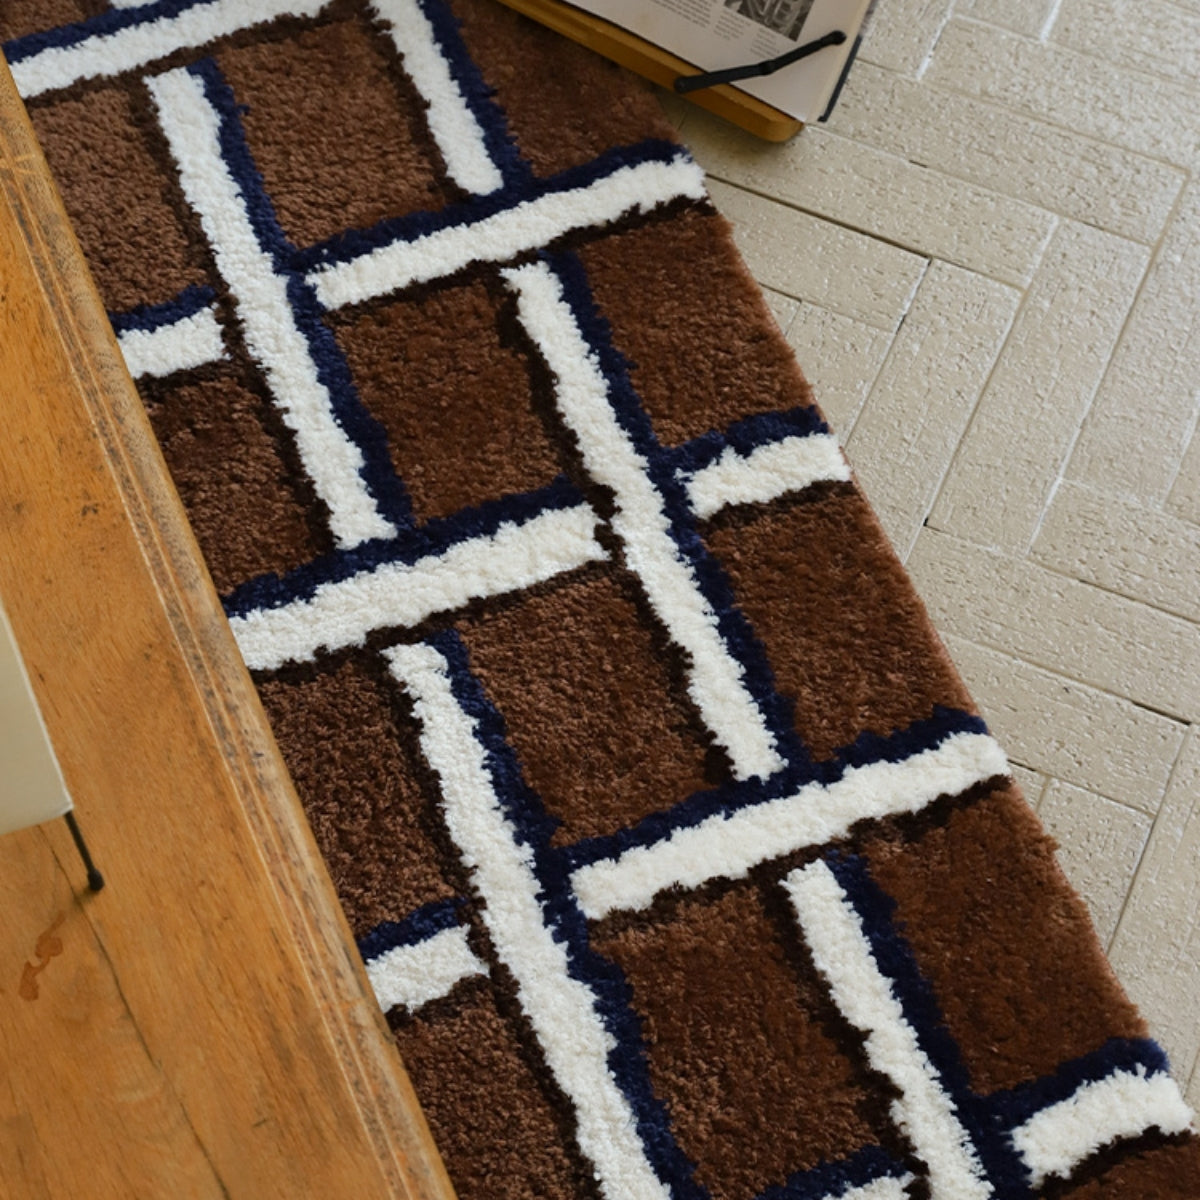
(679, 857)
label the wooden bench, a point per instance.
(203, 1026)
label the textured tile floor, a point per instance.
(988, 263)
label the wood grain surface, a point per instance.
(203, 1026)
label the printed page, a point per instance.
(31, 787)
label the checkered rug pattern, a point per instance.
(678, 856)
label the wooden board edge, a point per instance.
(659, 66)
(353, 1024)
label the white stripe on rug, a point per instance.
(789, 465)
(342, 614)
(502, 236)
(888, 1188)
(728, 846)
(142, 43)
(332, 461)
(410, 976)
(1124, 1105)
(715, 678)
(451, 122)
(560, 1009)
(190, 342)
(923, 1111)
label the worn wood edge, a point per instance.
(355, 1028)
(660, 66)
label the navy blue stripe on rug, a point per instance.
(419, 926)
(901, 744)
(1016, 1105)
(731, 797)
(744, 437)
(103, 24)
(497, 139)
(354, 243)
(606, 981)
(828, 1181)
(148, 317)
(895, 959)
(433, 538)
(368, 434)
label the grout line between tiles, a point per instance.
(1149, 838)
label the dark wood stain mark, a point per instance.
(48, 945)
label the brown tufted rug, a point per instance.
(677, 853)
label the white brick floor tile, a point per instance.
(841, 358)
(1184, 497)
(901, 33)
(1145, 409)
(1029, 414)
(1100, 845)
(1154, 36)
(1151, 556)
(922, 401)
(808, 259)
(1013, 605)
(881, 194)
(1060, 85)
(1070, 731)
(1029, 17)
(1156, 950)
(1007, 152)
